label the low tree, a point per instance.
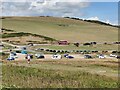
(76, 44)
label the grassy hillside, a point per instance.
(62, 28)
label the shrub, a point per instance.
(4, 29)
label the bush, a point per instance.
(3, 29)
(2, 53)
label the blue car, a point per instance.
(70, 57)
(65, 55)
(10, 59)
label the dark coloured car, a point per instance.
(13, 53)
(70, 57)
(65, 55)
(47, 50)
(114, 52)
(118, 57)
(31, 56)
(94, 43)
(18, 51)
(39, 56)
(87, 56)
(87, 44)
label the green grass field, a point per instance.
(60, 74)
(62, 28)
(98, 47)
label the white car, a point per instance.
(39, 56)
(14, 55)
(101, 56)
(56, 56)
(113, 55)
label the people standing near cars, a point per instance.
(28, 59)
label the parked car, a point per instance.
(114, 52)
(39, 56)
(13, 54)
(56, 56)
(66, 55)
(118, 57)
(70, 57)
(101, 56)
(18, 51)
(31, 56)
(87, 56)
(113, 55)
(10, 58)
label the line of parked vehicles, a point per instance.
(13, 56)
(67, 51)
